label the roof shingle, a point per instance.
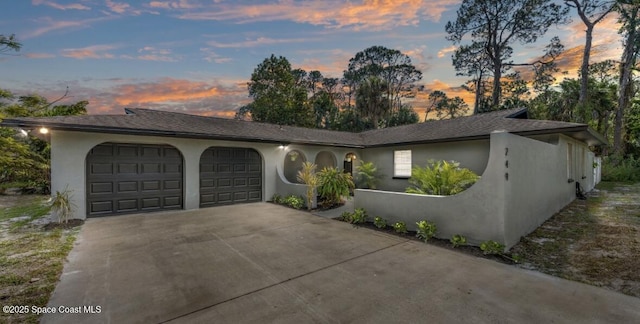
(154, 122)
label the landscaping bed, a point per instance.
(32, 254)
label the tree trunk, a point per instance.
(497, 87)
(584, 68)
(626, 66)
(476, 103)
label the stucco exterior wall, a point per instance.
(471, 154)
(525, 182)
(477, 213)
(69, 151)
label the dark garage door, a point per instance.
(230, 176)
(131, 178)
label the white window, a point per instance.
(402, 163)
(570, 161)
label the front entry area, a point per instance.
(125, 178)
(230, 175)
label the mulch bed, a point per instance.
(443, 243)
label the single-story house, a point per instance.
(149, 160)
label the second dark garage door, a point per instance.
(230, 175)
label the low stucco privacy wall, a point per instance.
(525, 182)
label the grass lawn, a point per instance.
(31, 258)
(595, 241)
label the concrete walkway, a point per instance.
(263, 263)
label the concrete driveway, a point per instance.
(262, 263)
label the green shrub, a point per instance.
(308, 176)
(400, 227)
(626, 170)
(379, 222)
(426, 230)
(492, 247)
(440, 178)
(367, 175)
(458, 240)
(357, 217)
(277, 199)
(293, 201)
(333, 184)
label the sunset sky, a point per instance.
(196, 56)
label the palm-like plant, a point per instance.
(367, 174)
(308, 176)
(62, 205)
(333, 184)
(441, 178)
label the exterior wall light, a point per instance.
(44, 130)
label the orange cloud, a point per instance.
(367, 14)
(94, 52)
(39, 55)
(446, 50)
(167, 90)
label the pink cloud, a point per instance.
(75, 6)
(39, 55)
(367, 14)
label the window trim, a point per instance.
(402, 154)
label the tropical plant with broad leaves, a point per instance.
(367, 175)
(333, 184)
(440, 178)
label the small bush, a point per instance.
(458, 240)
(400, 227)
(626, 170)
(277, 199)
(440, 178)
(379, 222)
(367, 175)
(333, 184)
(426, 230)
(308, 176)
(293, 201)
(357, 217)
(492, 247)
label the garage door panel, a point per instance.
(150, 168)
(171, 185)
(172, 168)
(101, 207)
(255, 195)
(102, 188)
(127, 186)
(126, 205)
(151, 152)
(206, 183)
(224, 183)
(224, 197)
(127, 151)
(223, 168)
(230, 175)
(127, 168)
(101, 168)
(151, 185)
(126, 178)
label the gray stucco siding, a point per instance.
(471, 154)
